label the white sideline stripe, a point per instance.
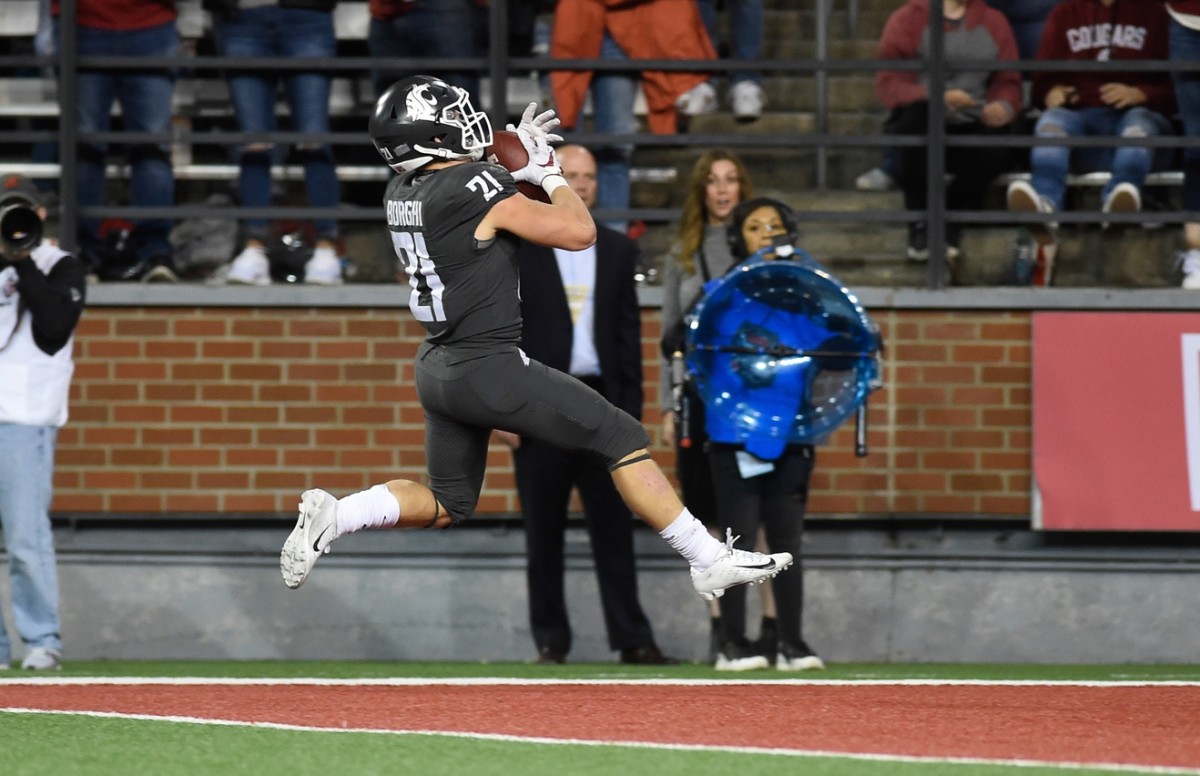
(809, 753)
(403, 681)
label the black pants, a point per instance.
(973, 167)
(777, 500)
(545, 475)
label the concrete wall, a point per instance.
(872, 595)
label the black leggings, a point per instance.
(777, 500)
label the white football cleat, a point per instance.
(315, 530)
(737, 567)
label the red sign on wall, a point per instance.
(1116, 421)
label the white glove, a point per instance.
(536, 136)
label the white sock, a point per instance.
(375, 507)
(691, 539)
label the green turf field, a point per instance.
(55, 744)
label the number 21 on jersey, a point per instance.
(426, 299)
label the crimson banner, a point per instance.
(1116, 421)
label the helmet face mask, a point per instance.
(421, 118)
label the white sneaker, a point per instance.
(737, 567)
(747, 99)
(798, 657)
(324, 268)
(1189, 262)
(42, 659)
(1124, 198)
(735, 656)
(1023, 198)
(251, 267)
(315, 530)
(875, 179)
(700, 99)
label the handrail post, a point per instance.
(935, 221)
(821, 82)
(498, 62)
(68, 129)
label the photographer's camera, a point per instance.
(20, 229)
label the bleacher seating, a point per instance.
(799, 103)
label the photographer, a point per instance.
(41, 298)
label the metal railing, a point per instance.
(499, 66)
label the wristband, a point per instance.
(552, 182)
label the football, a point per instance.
(506, 150)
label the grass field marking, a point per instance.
(806, 753)
(401, 681)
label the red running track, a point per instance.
(1136, 725)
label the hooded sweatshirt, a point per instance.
(982, 34)
(1087, 30)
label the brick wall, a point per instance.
(238, 410)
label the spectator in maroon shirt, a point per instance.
(978, 102)
(1098, 103)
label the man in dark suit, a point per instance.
(581, 316)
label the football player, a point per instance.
(455, 221)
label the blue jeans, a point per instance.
(1185, 45)
(145, 98)
(745, 33)
(432, 28)
(26, 472)
(613, 95)
(282, 32)
(1129, 164)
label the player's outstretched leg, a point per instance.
(737, 567)
(315, 530)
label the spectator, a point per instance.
(977, 103)
(1026, 18)
(616, 31)
(454, 221)
(130, 28)
(761, 480)
(1114, 104)
(580, 314)
(613, 95)
(662, 29)
(42, 290)
(1185, 46)
(404, 29)
(746, 95)
(281, 28)
(719, 181)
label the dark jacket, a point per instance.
(546, 333)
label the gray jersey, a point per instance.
(464, 293)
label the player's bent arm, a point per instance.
(565, 223)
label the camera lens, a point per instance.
(20, 228)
